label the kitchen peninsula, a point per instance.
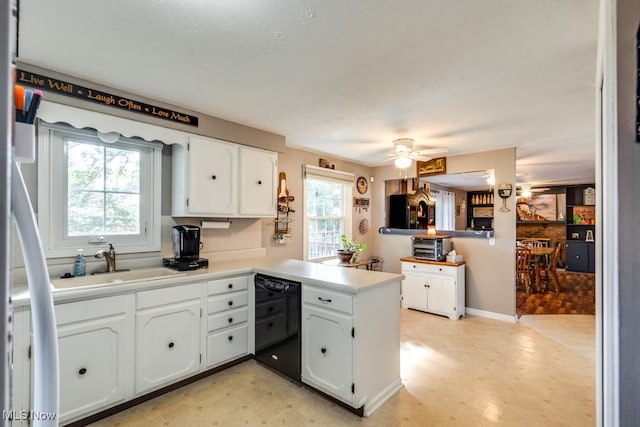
(131, 338)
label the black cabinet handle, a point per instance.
(324, 300)
(171, 345)
(230, 319)
(270, 324)
(82, 371)
(270, 309)
(230, 337)
(230, 285)
(230, 302)
(213, 177)
(323, 350)
(260, 182)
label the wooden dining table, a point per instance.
(537, 255)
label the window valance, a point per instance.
(309, 171)
(79, 118)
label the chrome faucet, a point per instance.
(109, 256)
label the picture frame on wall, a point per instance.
(431, 167)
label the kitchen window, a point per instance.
(102, 188)
(327, 211)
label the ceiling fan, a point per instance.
(526, 190)
(403, 153)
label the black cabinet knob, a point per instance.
(270, 309)
(230, 319)
(171, 345)
(425, 286)
(230, 285)
(82, 371)
(213, 177)
(230, 337)
(270, 324)
(323, 350)
(259, 182)
(230, 302)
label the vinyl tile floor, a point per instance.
(539, 371)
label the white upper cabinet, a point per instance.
(213, 178)
(258, 182)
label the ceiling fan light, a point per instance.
(403, 162)
(403, 145)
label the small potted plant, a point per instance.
(350, 249)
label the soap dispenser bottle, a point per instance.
(80, 266)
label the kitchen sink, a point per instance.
(141, 275)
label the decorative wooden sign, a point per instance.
(96, 96)
(431, 167)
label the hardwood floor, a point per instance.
(472, 372)
(576, 296)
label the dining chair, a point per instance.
(550, 269)
(524, 273)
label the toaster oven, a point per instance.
(432, 248)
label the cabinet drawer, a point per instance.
(157, 297)
(327, 298)
(231, 284)
(227, 345)
(91, 309)
(227, 301)
(428, 268)
(227, 318)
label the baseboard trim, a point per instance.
(491, 315)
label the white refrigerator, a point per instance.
(15, 208)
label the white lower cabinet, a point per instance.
(167, 335)
(95, 340)
(227, 319)
(351, 344)
(433, 288)
(328, 347)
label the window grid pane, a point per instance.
(103, 190)
(325, 217)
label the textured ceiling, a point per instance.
(345, 78)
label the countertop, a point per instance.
(339, 278)
(424, 261)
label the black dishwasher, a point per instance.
(277, 311)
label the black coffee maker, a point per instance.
(186, 249)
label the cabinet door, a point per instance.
(327, 349)
(258, 182)
(441, 293)
(92, 365)
(414, 290)
(167, 344)
(212, 177)
(577, 257)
